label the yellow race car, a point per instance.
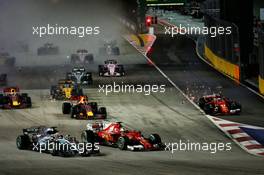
(66, 90)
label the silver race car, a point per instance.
(48, 140)
(109, 48)
(48, 49)
(79, 76)
(82, 56)
(6, 59)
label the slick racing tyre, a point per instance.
(155, 139)
(100, 70)
(89, 59)
(28, 102)
(116, 51)
(23, 142)
(74, 111)
(88, 136)
(102, 110)
(122, 143)
(66, 108)
(74, 59)
(208, 109)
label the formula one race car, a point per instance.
(48, 49)
(48, 140)
(12, 99)
(80, 76)
(109, 48)
(84, 109)
(66, 89)
(21, 46)
(218, 105)
(111, 69)
(82, 56)
(3, 79)
(114, 134)
(6, 59)
(196, 11)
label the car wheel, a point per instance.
(208, 109)
(122, 143)
(55, 152)
(94, 107)
(23, 142)
(88, 136)
(155, 139)
(89, 59)
(66, 108)
(102, 110)
(73, 112)
(28, 101)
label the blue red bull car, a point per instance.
(84, 109)
(12, 99)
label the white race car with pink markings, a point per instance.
(111, 69)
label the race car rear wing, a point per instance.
(37, 129)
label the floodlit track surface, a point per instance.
(177, 58)
(168, 114)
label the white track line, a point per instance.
(194, 104)
(166, 77)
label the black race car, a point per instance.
(82, 57)
(6, 59)
(48, 49)
(79, 76)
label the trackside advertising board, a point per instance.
(165, 2)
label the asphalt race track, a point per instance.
(168, 114)
(177, 58)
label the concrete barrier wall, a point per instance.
(222, 65)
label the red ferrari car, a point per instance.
(218, 105)
(11, 98)
(114, 134)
